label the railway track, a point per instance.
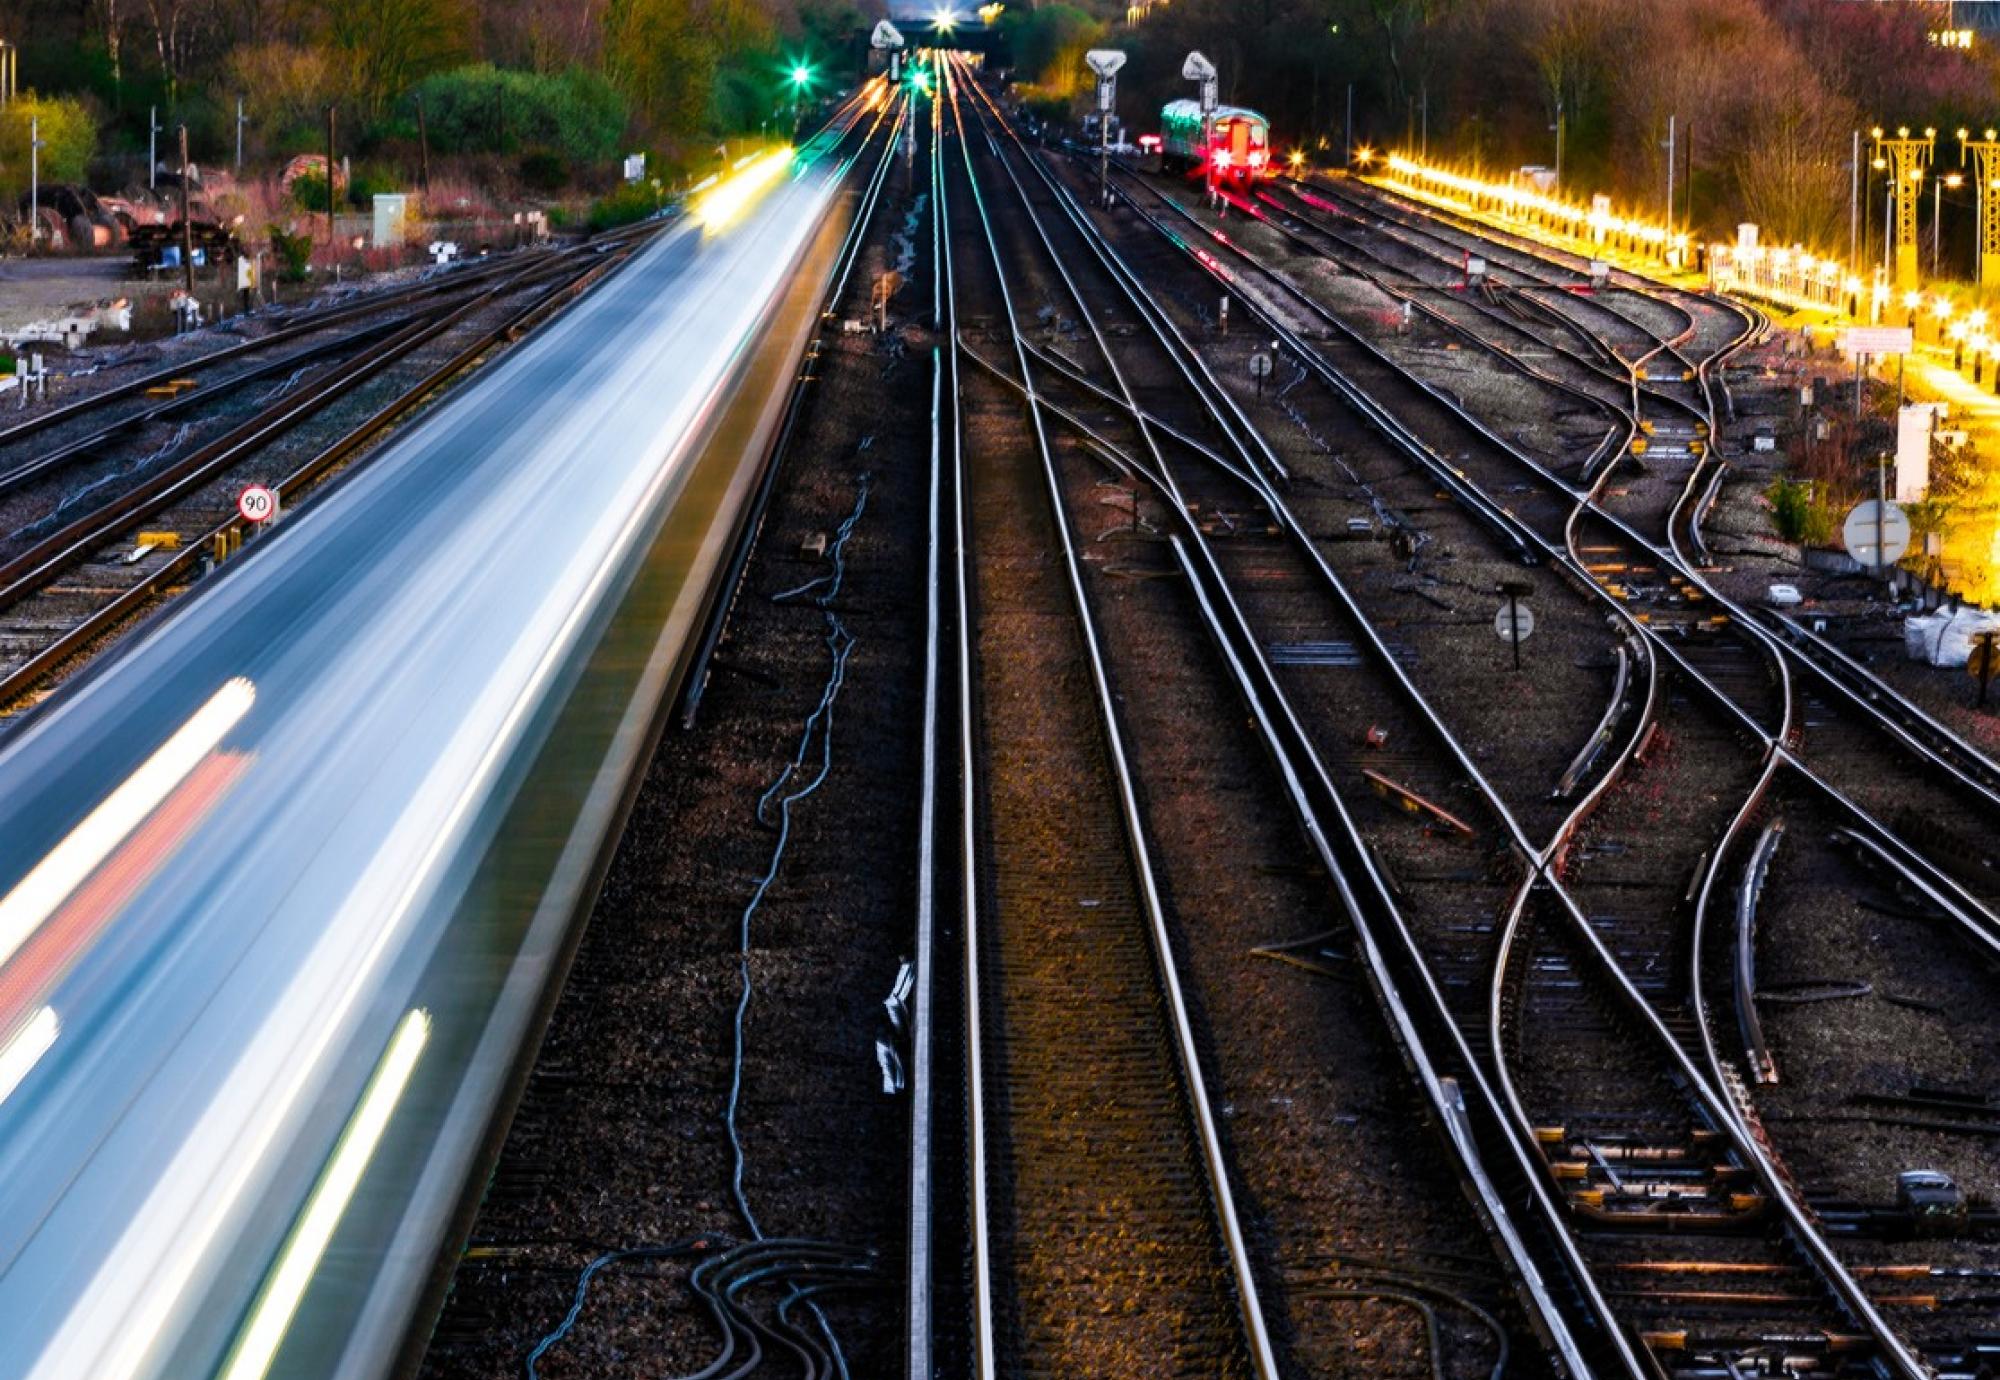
(70, 579)
(632, 980)
(1835, 1287)
(1083, 1204)
(1683, 608)
(1775, 698)
(1436, 958)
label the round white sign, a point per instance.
(1876, 533)
(256, 503)
(1514, 622)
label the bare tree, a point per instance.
(111, 23)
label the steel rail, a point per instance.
(63, 455)
(919, 1300)
(183, 564)
(1840, 1281)
(1417, 298)
(1378, 198)
(1247, 652)
(1623, 376)
(30, 569)
(945, 290)
(1566, 560)
(1845, 1289)
(1756, 1049)
(311, 321)
(717, 619)
(1186, 1049)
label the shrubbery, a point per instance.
(293, 253)
(544, 170)
(309, 193)
(479, 109)
(68, 134)
(628, 202)
(1797, 515)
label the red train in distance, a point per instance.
(1237, 149)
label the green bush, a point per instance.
(544, 170)
(293, 253)
(483, 108)
(309, 193)
(630, 201)
(68, 135)
(1799, 517)
(363, 188)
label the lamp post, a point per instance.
(801, 78)
(34, 179)
(1953, 181)
(187, 221)
(332, 253)
(1559, 144)
(153, 128)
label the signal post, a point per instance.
(1983, 154)
(1199, 69)
(1907, 156)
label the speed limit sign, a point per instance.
(257, 504)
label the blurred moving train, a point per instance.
(1238, 145)
(288, 882)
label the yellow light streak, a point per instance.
(36, 896)
(1422, 179)
(726, 201)
(271, 1315)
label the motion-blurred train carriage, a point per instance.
(1238, 146)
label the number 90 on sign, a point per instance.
(257, 504)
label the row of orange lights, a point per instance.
(1518, 199)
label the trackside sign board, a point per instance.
(1877, 340)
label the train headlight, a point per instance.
(1222, 158)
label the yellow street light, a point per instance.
(1875, 133)
(1942, 308)
(1964, 133)
(1912, 300)
(1977, 320)
(1956, 330)
(1880, 163)
(1990, 134)
(1929, 132)
(1954, 180)
(1902, 131)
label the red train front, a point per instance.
(1237, 147)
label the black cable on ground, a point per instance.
(805, 1268)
